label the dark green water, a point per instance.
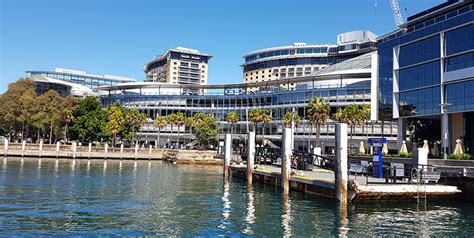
(152, 198)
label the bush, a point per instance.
(460, 156)
(405, 155)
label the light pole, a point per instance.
(444, 126)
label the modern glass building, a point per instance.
(426, 72)
(301, 59)
(80, 77)
(341, 84)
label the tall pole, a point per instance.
(250, 155)
(286, 161)
(341, 163)
(227, 154)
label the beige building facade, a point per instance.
(178, 66)
(302, 59)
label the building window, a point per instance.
(291, 70)
(194, 65)
(316, 69)
(175, 63)
(184, 64)
(299, 69)
(299, 74)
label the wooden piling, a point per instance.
(286, 159)
(227, 155)
(341, 163)
(250, 155)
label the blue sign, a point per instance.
(377, 156)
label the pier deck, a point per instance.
(321, 182)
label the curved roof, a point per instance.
(76, 90)
(358, 64)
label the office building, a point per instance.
(426, 73)
(348, 82)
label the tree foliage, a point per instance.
(90, 121)
(207, 130)
(288, 119)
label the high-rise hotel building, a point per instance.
(301, 59)
(178, 66)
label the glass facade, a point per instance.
(420, 102)
(460, 96)
(276, 99)
(419, 58)
(86, 80)
(420, 76)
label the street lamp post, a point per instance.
(444, 126)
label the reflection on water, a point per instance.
(66, 197)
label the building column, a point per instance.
(227, 154)
(401, 132)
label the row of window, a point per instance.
(314, 50)
(420, 76)
(460, 62)
(460, 96)
(420, 51)
(420, 102)
(460, 40)
(81, 80)
(297, 61)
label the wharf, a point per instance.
(322, 183)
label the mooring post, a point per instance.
(90, 150)
(23, 148)
(5, 141)
(150, 148)
(40, 149)
(341, 163)
(250, 155)
(58, 146)
(227, 154)
(121, 151)
(74, 148)
(106, 149)
(136, 150)
(287, 138)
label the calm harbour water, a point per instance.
(65, 197)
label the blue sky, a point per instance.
(118, 37)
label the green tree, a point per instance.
(178, 120)
(207, 130)
(288, 119)
(16, 107)
(116, 121)
(160, 122)
(232, 118)
(48, 109)
(318, 113)
(191, 123)
(352, 115)
(69, 104)
(90, 121)
(136, 119)
(259, 115)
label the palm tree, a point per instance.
(352, 115)
(232, 118)
(177, 119)
(171, 118)
(259, 115)
(160, 122)
(365, 113)
(288, 119)
(190, 122)
(318, 113)
(137, 119)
